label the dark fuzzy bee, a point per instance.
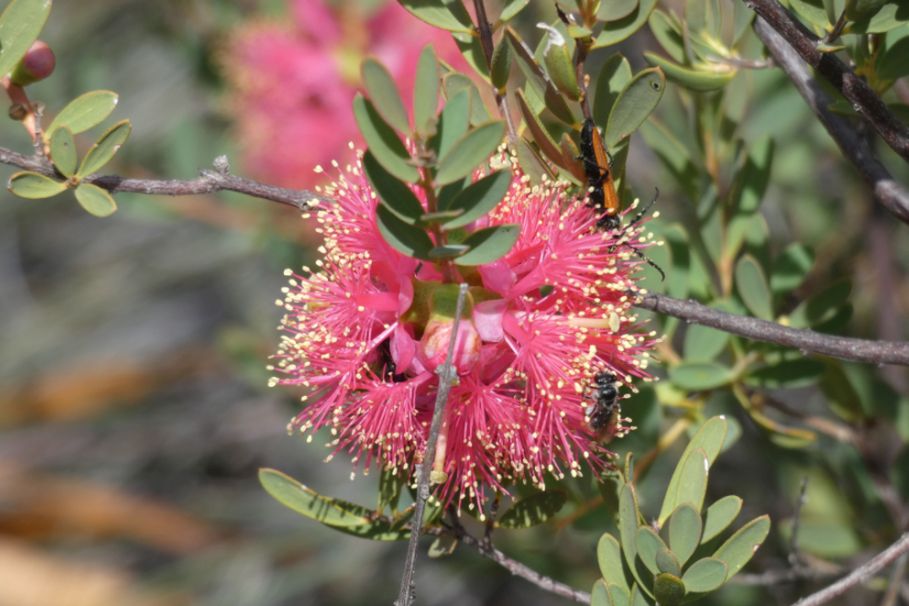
(604, 414)
(387, 364)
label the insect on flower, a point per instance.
(605, 412)
(602, 194)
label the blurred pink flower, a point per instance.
(291, 84)
(364, 332)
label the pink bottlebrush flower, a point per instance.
(292, 84)
(365, 332)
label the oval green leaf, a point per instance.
(708, 440)
(629, 515)
(468, 152)
(599, 595)
(620, 29)
(453, 122)
(95, 200)
(668, 32)
(752, 286)
(609, 557)
(426, 93)
(20, 24)
(692, 486)
(383, 93)
(511, 9)
(613, 78)
(63, 151)
(306, 501)
(693, 79)
(707, 574)
(104, 149)
(616, 9)
(720, 515)
(407, 239)
(684, 532)
(698, 376)
(85, 111)
(637, 101)
(532, 510)
(703, 344)
(479, 198)
(561, 70)
(33, 186)
(383, 142)
(501, 65)
(648, 543)
(740, 547)
(790, 268)
(445, 14)
(394, 194)
(549, 147)
(667, 562)
(668, 589)
(489, 244)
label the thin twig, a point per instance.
(856, 90)
(893, 195)
(218, 178)
(518, 569)
(891, 596)
(860, 575)
(808, 341)
(791, 574)
(446, 374)
(794, 557)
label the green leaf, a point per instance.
(426, 93)
(383, 142)
(692, 486)
(26, 184)
(561, 70)
(472, 50)
(395, 195)
(720, 515)
(532, 510)
(823, 306)
(511, 9)
(614, 10)
(890, 16)
(390, 488)
(698, 80)
(453, 122)
(63, 151)
(684, 531)
(468, 152)
(789, 374)
(637, 596)
(709, 441)
(446, 14)
(479, 198)
(94, 200)
(501, 65)
(707, 574)
(752, 285)
(84, 112)
(407, 239)
(613, 78)
(648, 543)
(105, 148)
(637, 101)
(740, 547)
(620, 596)
(703, 344)
(609, 557)
(813, 13)
(620, 29)
(306, 501)
(667, 562)
(599, 595)
(20, 24)
(699, 376)
(628, 531)
(383, 93)
(489, 244)
(668, 32)
(755, 175)
(668, 589)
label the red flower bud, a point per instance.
(37, 64)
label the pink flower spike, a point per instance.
(363, 336)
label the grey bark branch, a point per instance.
(892, 195)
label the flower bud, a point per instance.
(37, 64)
(437, 337)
